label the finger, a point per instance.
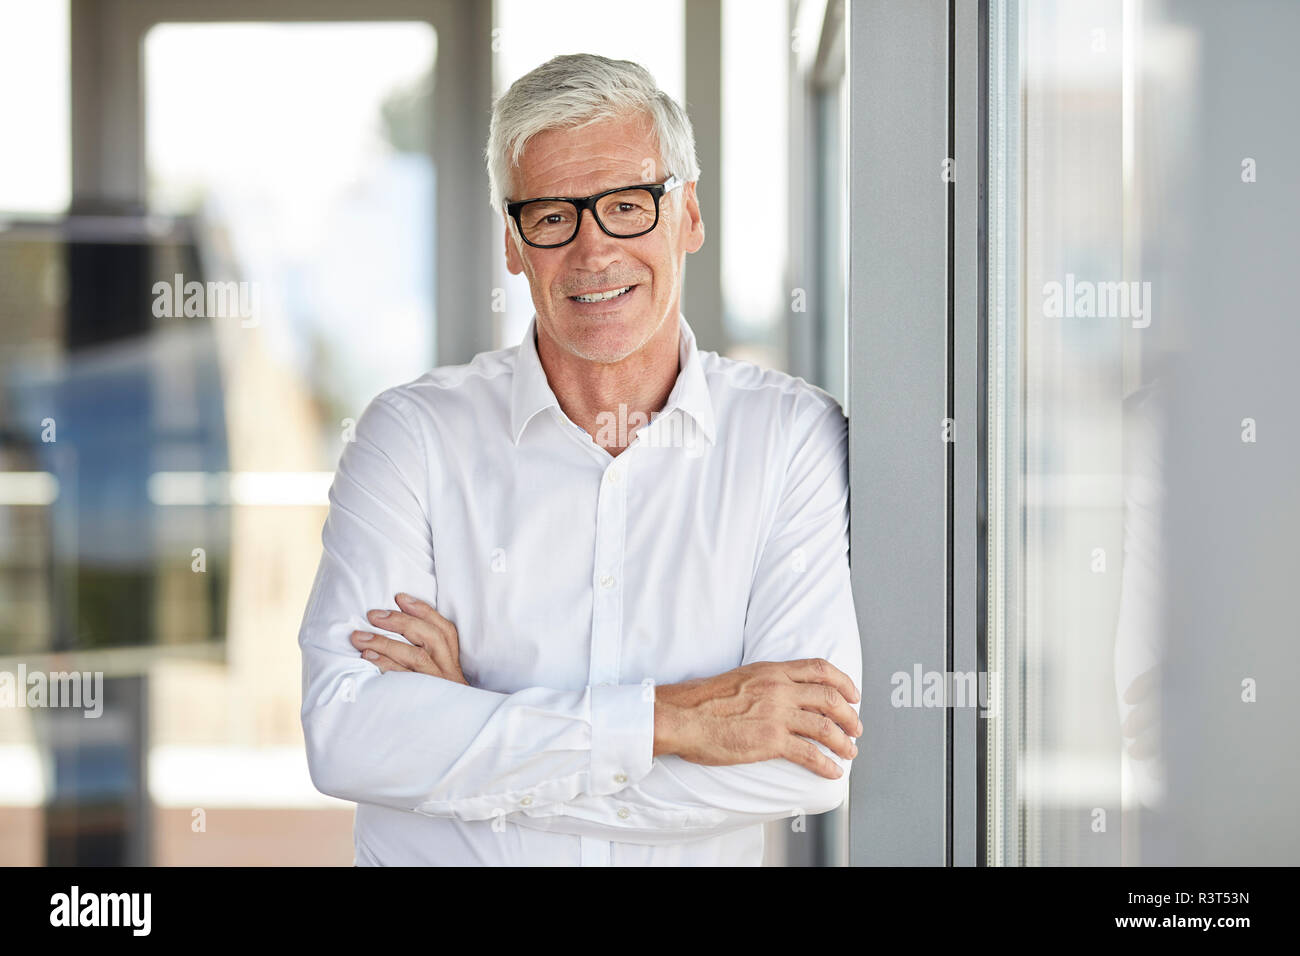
(805, 754)
(1142, 685)
(441, 638)
(821, 728)
(418, 631)
(412, 628)
(405, 654)
(824, 699)
(425, 611)
(819, 671)
(384, 664)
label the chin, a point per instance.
(605, 339)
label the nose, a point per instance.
(591, 249)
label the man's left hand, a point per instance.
(434, 647)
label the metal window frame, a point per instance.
(917, 349)
(702, 298)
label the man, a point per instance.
(623, 630)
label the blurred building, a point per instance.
(319, 165)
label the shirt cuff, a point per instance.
(622, 736)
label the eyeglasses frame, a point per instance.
(657, 190)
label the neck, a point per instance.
(612, 401)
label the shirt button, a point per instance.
(624, 813)
(606, 581)
(614, 476)
(526, 802)
(620, 778)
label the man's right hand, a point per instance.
(759, 712)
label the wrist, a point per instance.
(668, 721)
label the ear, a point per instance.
(692, 233)
(514, 262)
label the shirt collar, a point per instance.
(531, 392)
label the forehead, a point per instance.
(589, 159)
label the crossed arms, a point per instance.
(769, 739)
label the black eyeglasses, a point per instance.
(624, 213)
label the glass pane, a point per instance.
(35, 167)
(1063, 359)
(306, 169)
(309, 168)
(175, 388)
(1140, 531)
(756, 45)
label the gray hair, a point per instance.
(572, 91)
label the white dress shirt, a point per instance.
(577, 581)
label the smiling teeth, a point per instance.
(603, 296)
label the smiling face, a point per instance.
(582, 162)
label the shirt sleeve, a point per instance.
(801, 606)
(409, 741)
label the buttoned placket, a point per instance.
(607, 602)
(605, 666)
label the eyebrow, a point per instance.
(586, 195)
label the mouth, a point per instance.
(604, 297)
